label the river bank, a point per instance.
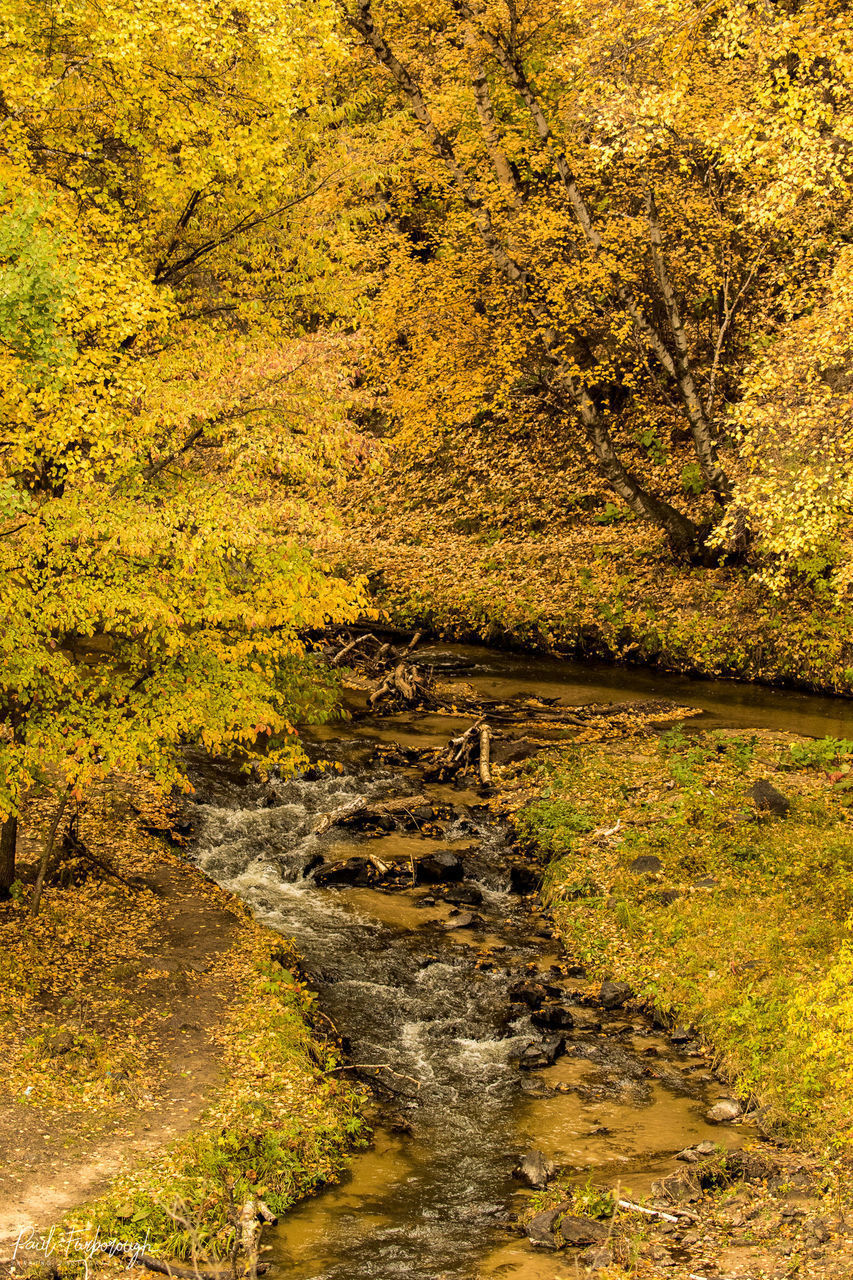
(484, 544)
(157, 1049)
(477, 1017)
(709, 873)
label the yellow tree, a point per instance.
(593, 206)
(162, 401)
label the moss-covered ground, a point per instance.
(666, 869)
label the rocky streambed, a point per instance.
(493, 1062)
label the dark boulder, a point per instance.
(555, 1017)
(768, 799)
(540, 1229)
(533, 1170)
(614, 994)
(523, 879)
(439, 867)
(580, 1231)
(532, 993)
(464, 895)
(543, 1053)
(339, 875)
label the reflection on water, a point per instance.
(728, 703)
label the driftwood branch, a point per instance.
(662, 1215)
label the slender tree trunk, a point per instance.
(682, 533)
(679, 367)
(47, 853)
(8, 843)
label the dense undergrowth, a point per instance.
(737, 920)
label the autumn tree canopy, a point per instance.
(164, 403)
(601, 214)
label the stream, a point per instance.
(480, 1040)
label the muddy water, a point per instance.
(425, 1007)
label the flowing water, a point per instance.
(423, 996)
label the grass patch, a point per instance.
(282, 1125)
(743, 924)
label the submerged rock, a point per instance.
(465, 920)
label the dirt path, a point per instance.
(54, 1158)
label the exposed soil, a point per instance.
(56, 1157)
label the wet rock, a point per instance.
(614, 994)
(648, 865)
(724, 1111)
(533, 994)
(706, 882)
(523, 879)
(543, 1053)
(574, 971)
(533, 1170)
(581, 1231)
(597, 1259)
(439, 867)
(339, 875)
(680, 1035)
(464, 894)
(702, 1151)
(539, 1229)
(768, 799)
(465, 920)
(555, 1017)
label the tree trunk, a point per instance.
(8, 843)
(681, 532)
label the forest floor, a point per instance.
(507, 540)
(711, 873)
(152, 1036)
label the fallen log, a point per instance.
(349, 648)
(363, 812)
